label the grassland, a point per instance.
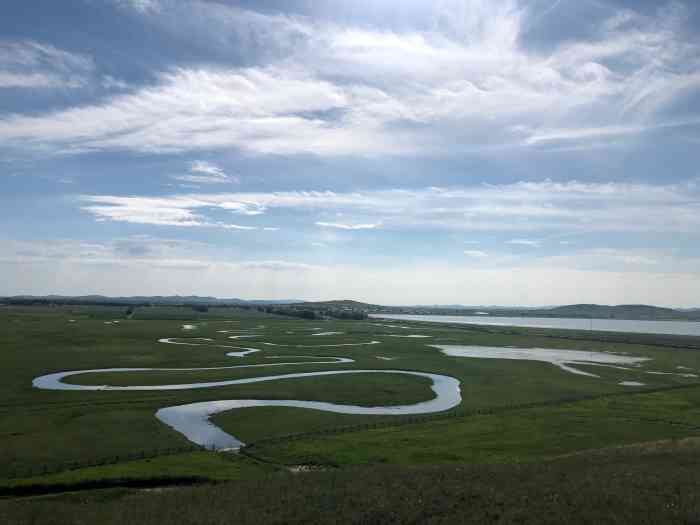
(526, 416)
(653, 484)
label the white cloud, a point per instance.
(154, 211)
(157, 211)
(342, 226)
(578, 134)
(476, 254)
(203, 172)
(278, 266)
(231, 226)
(258, 110)
(327, 89)
(524, 242)
(527, 207)
(141, 6)
(30, 64)
(201, 166)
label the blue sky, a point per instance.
(476, 152)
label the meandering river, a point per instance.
(193, 419)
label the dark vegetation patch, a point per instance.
(615, 486)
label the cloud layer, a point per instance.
(547, 206)
(74, 268)
(349, 90)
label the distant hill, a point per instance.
(637, 312)
(136, 300)
(476, 307)
(624, 311)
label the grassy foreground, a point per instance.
(654, 484)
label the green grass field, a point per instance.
(512, 413)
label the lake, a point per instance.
(605, 325)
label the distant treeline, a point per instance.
(302, 311)
(305, 312)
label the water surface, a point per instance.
(605, 325)
(560, 358)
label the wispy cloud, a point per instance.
(154, 211)
(31, 64)
(525, 242)
(202, 172)
(140, 6)
(229, 226)
(546, 206)
(476, 254)
(109, 82)
(278, 266)
(333, 90)
(343, 226)
(577, 134)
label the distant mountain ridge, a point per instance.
(636, 312)
(151, 299)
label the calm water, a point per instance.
(606, 325)
(559, 358)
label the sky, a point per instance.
(480, 152)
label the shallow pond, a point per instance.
(560, 358)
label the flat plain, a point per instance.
(514, 414)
